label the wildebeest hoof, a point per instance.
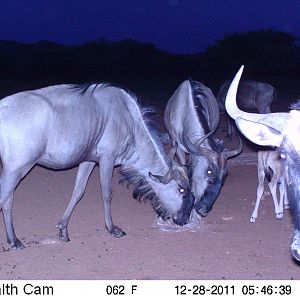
(17, 245)
(63, 233)
(116, 232)
(63, 237)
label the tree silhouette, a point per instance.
(264, 51)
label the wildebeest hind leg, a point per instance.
(84, 171)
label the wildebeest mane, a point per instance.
(142, 189)
(82, 88)
(146, 112)
(200, 95)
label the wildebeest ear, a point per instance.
(259, 133)
(159, 178)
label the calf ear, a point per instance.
(258, 133)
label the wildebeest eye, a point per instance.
(209, 172)
(282, 155)
(181, 190)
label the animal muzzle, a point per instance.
(295, 247)
(183, 216)
(205, 204)
(202, 209)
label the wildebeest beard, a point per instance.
(143, 190)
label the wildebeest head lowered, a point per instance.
(67, 125)
(191, 117)
(280, 130)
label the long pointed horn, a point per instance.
(230, 102)
(235, 152)
(274, 120)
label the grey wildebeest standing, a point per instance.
(270, 166)
(251, 95)
(67, 125)
(191, 117)
(279, 130)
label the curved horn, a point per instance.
(190, 146)
(172, 152)
(230, 102)
(274, 120)
(201, 140)
(235, 152)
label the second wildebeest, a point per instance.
(63, 126)
(191, 118)
(251, 95)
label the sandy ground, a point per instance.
(223, 245)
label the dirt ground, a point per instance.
(223, 245)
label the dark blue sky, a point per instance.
(178, 26)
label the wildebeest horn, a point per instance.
(190, 146)
(235, 152)
(172, 152)
(200, 141)
(194, 149)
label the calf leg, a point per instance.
(283, 195)
(259, 192)
(273, 190)
(84, 171)
(283, 192)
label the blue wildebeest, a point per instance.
(251, 95)
(67, 125)
(191, 117)
(279, 130)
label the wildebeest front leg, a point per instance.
(106, 172)
(10, 232)
(8, 182)
(84, 171)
